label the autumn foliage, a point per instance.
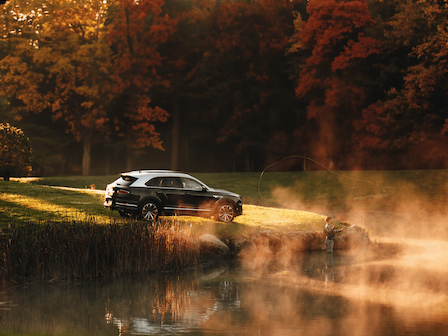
(351, 83)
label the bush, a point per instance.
(15, 152)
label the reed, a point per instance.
(85, 249)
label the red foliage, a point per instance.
(243, 24)
(136, 33)
(373, 126)
(334, 33)
(363, 48)
(330, 23)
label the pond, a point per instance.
(314, 293)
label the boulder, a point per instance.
(354, 237)
(302, 241)
(211, 245)
(267, 241)
(244, 247)
(267, 245)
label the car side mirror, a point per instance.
(204, 189)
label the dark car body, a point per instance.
(148, 193)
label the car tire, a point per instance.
(225, 212)
(149, 211)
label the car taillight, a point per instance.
(109, 192)
(123, 192)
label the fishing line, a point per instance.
(307, 158)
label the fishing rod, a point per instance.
(312, 160)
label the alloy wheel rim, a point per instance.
(225, 213)
(150, 212)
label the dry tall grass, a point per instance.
(69, 250)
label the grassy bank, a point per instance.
(57, 228)
(335, 192)
(36, 201)
(378, 200)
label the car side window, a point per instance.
(154, 182)
(170, 182)
(190, 184)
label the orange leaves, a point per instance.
(331, 23)
(356, 50)
(334, 34)
(308, 81)
(141, 118)
(138, 31)
(373, 126)
(136, 34)
(243, 24)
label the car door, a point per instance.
(169, 190)
(196, 196)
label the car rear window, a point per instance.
(125, 180)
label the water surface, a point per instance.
(311, 294)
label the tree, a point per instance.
(413, 118)
(15, 152)
(242, 82)
(64, 67)
(136, 32)
(331, 81)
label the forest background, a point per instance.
(103, 86)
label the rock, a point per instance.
(244, 247)
(266, 245)
(212, 246)
(354, 237)
(269, 241)
(302, 241)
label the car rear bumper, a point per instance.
(110, 204)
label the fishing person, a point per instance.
(330, 232)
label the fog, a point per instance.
(404, 268)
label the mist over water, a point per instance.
(407, 274)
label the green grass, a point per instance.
(277, 201)
(340, 191)
(20, 202)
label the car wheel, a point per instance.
(225, 212)
(149, 211)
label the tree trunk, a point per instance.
(86, 152)
(129, 159)
(176, 136)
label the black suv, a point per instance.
(148, 193)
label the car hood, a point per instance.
(225, 192)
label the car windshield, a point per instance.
(191, 184)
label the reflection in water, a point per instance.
(317, 293)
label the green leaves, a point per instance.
(15, 152)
